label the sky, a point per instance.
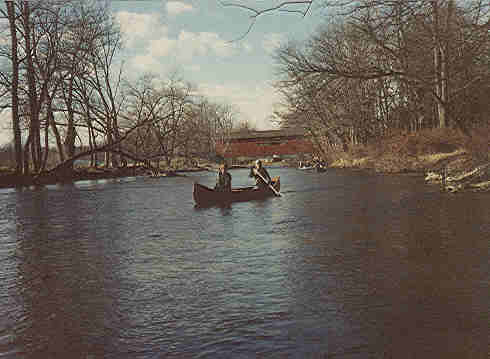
(200, 41)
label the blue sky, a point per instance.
(195, 39)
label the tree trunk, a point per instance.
(438, 66)
(14, 91)
(46, 147)
(70, 130)
(34, 126)
(445, 58)
(26, 155)
(108, 154)
(91, 144)
(115, 131)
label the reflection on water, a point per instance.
(344, 265)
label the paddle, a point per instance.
(270, 186)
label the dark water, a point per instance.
(344, 265)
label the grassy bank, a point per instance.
(446, 156)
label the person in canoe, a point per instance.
(259, 171)
(223, 181)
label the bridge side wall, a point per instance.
(254, 147)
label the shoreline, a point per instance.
(11, 180)
(454, 171)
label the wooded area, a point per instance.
(376, 67)
(62, 79)
(381, 67)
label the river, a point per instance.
(344, 265)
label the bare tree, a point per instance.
(14, 85)
(90, 89)
(442, 27)
(57, 39)
(372, 69)
(159, 109)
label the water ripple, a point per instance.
(342, 265)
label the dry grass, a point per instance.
(436, 157)
(351, 162)
(478, 145)
(413, 144)
(5, 170)
(482, 186)
(407, 152)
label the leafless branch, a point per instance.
(282, 7)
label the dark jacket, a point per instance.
(263, 172)
(223, 182)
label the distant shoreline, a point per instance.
(11, 180)
(453, 171)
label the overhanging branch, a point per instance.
(281, 7)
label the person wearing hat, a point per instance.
(259, 171)
(223, 181)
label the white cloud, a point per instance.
(188, 45)
(144, 63)
(272, 41)
(194, 68)
(4, 32)
(4, 40)
(163, 46)
(203, 43)
(255, 101)
(178, 7)
(5, 127)
(151, 39)
(247, 47)
(137, 28)
(155, 48)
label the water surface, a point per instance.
(344, 265)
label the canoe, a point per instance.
(205, 196)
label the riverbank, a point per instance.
(444, 157)
(454, 171)
(8, 179)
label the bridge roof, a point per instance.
(285, 132)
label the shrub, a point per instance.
(478, 144)
(412, 144)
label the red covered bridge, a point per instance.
(265, 143)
